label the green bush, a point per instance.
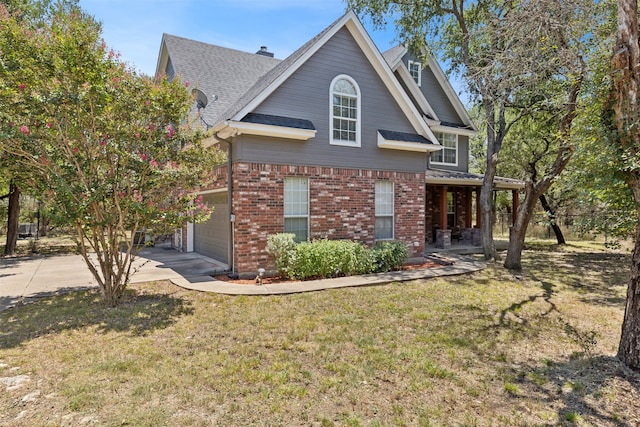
(333, 258)
(389, 255)
(282, 247)
(330, 258)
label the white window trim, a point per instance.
(393, 211)
(457, 151)
(409, 64)
(308, 205)
(358, 117)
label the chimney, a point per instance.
(264, 52)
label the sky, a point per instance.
(134, 27)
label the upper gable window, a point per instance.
(415, 69)
(345, 112)
(449, 153)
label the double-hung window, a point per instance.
(384, 210)
(415, 69)
(449, 153)
(296, 207)
(345, 112)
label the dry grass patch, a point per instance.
(490, 348)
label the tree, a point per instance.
(110, 150)
(603, 202)
(502, 52)
(33, 14)
(536, 187)
(625, 108)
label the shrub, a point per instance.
(389, 255)
(330, 258)
(282, 247)
(333, 258)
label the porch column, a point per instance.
(478, 210)
(467, 215)
(476, 236)
(515, 197)
(443, 208)
(467, 231)
(443, 234)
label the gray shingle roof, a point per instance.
(439, 175)
(268, 119)
(455, 125)
(217, 71)
(393, 55)
(404, 136)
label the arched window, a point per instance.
(345, 112)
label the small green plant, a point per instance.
(389, 255)
(282, 247)
(573, 417)
(511, 389)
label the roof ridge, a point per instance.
(165, 35)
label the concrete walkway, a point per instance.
(25, 279)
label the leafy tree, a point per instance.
(603, 200)
(34, 14)
(501, 49)
(110, 150)
(520, 59)
(624, 109)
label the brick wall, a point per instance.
(341, 202)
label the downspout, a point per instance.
(231, 234)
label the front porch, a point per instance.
(452, 211)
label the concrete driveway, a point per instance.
(28, 278)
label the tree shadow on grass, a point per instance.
(515, 308)
(582, 388)
(600, 277)
(138, 314)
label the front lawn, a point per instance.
(490, 348)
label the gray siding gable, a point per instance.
(434, 93)
(305, 95)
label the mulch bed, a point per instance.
(277, 279)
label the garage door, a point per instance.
(211, 237)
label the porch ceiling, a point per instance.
(468, 179)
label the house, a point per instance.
(338, 140)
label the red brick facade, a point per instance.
(341, 205)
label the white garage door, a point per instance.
(211, 238)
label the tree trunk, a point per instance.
(629, 347)
(43, 228)
(625, 68)
(552, 217)
(486, 208)
(13, 220)
(513, 260)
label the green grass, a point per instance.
(483, 349)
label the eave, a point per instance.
(466, 179)
(394, 144)
(232, 128)
(454, 130)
